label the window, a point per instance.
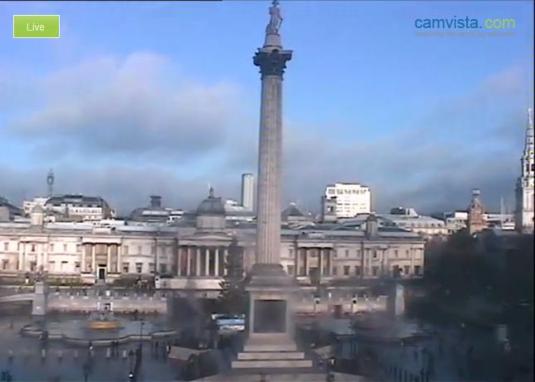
(290, 269)
(77, 265)
(375, 270)
(163, 268)
(139, 267)
(290, 251)
(346, 270)
(5, 264)
(417, 270)
(65, 247)
(78, 247)
(335, 271)
(151, 268)
(347, 252)
(396, 252)
(33, 248)
(375, 254)
(407, 252)
(126, 268)
(6, 246)
(357, 270)
(406, 270)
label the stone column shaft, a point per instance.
(207, 261)
(93, 258)
(198, 262)
(216, 262)
(119, 258)
(269, 172)
(108, 258)
(188, 261)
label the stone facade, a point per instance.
(195, 257)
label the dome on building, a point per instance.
(211, 205)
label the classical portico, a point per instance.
(311, 259)
(202, 261)
(101, 258)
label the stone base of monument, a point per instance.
(270, 344)
(285, 376)
(270, 351)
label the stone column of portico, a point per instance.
(225, 259)
(93, 258)
(179, 256)
(198, 262)
(307, 262)
(188, 261)
(216, 262)
(108, 258)
(83, 255)
(320, 261)
(207, 261)
(119, 260)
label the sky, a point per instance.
(162, 98)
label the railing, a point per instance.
(32, 332)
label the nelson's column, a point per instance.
(270, 342)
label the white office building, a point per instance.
(247, 191)
(347, 199)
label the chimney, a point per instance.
(155, 201)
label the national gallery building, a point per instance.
(190, 254)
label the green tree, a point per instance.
(233, 297)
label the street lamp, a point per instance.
(131, 358)
(141, 334)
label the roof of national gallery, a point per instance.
(118, 227)
(77, 200)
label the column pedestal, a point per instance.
(270, 343)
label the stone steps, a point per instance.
(281, 347)
(271, 356)
(280, 363)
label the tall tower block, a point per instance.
(247, 191)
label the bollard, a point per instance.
(60, 355)
(125, 354)
(43, 353)
(108, 353)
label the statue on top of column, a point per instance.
(276, 19)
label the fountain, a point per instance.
(103, 320)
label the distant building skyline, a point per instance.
(157, 119)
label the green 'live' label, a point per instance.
(36, 26)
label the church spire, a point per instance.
(528, 145)
(525, 185)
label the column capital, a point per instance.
(272, 62)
